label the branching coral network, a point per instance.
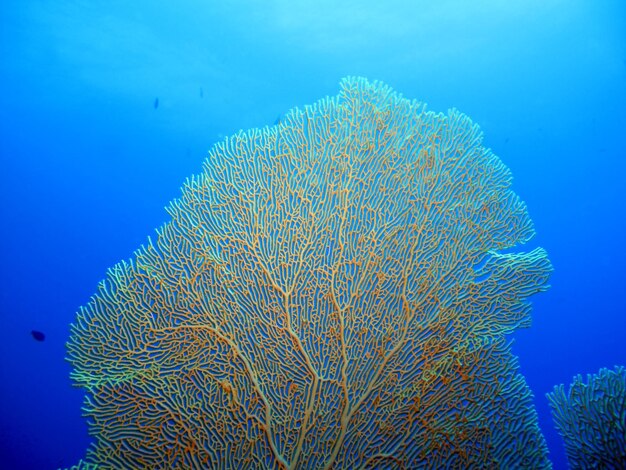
(331, 292)
(591, 418)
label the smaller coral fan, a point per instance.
(591, 417)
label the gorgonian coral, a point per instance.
(330, 293)
(591, 417)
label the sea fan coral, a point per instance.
(591, 417)
(330, 293)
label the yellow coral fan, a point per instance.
(328, 294)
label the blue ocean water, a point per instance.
(106, 108)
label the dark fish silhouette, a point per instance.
(156, 103)
(38, 335)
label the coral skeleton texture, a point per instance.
(331, 292)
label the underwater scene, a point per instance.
(302, 235)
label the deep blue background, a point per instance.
(88, 163)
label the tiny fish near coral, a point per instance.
(38, 335)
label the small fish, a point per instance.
(38, 335)
(156, 103)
